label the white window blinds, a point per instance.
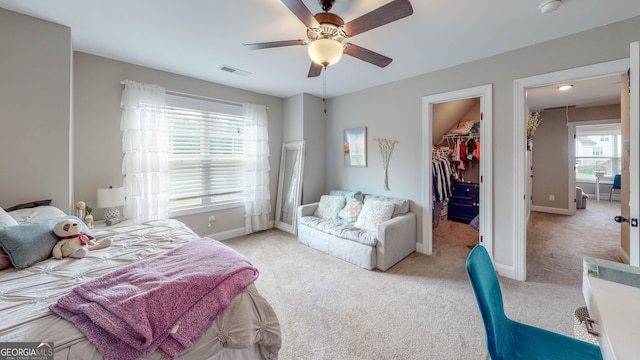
(206, 145)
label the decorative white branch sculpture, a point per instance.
(386, 149)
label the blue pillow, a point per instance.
(28, 244)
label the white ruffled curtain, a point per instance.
(257, 199)
(145, 148)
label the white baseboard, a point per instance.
(603, 197)
(225, 235)
(506, 271)
(420, 248)
(551, 210)
(230, 234)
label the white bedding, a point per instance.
(249, 323)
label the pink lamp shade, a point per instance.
(110, 198)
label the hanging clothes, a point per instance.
(441, 179)
(455, 156)
(471, 148)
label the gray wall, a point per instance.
(304, 120)
(315, 147)
(551, 153)
(35, 98)
(394, 111)
(36, 60)
(97, 111)
(551, 161)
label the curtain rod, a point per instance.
(172, 92)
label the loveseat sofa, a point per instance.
(367, 230)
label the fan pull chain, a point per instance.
(324, 89)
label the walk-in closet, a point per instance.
(456, 157)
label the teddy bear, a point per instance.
(74, 243)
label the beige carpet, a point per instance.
(422, 308)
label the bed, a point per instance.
(246, 329)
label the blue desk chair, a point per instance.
(616, 185)
(508, 339)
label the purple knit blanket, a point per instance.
(163, 303)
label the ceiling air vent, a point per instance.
(233, 70)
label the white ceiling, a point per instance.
(196, 37)
(591, 92)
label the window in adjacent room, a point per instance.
(598, 149)
(206, 146)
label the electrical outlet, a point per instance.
(552, 197)
(212, 220)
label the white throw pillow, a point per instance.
(350, 212)
(374, 212)
(6, 219)
(329, 206)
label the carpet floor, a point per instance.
(423, 307)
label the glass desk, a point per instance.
(612, 293)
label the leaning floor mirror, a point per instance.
(289, 185)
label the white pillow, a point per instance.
(329, 206)
(374, 212)
(36, 214)
(6, 219)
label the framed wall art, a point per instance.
(355, 147)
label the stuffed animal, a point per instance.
(73, 242)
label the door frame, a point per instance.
(483, 92)
(634, 152)
(520, 113)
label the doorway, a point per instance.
(484, 94)
(521, 111)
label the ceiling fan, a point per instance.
(327, 32)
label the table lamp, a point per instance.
(110, 198)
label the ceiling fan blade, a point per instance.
(314, 70)
(395, 10)
(302, 12)
(369, 56)
(266, 45)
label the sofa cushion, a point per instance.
(351, 210)
(338, 228)
(329, 206)
(374, 212)
(348, 194)
(401, 205)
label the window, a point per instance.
(598, 149)
(206, 146)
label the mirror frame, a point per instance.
(297, 187)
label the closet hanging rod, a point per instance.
(456, 136)
(172, 92)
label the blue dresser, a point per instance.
(464, 204)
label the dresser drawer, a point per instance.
(464, 204)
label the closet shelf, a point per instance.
(441, 153)
(462, 137)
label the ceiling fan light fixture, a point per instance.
(325, 52)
